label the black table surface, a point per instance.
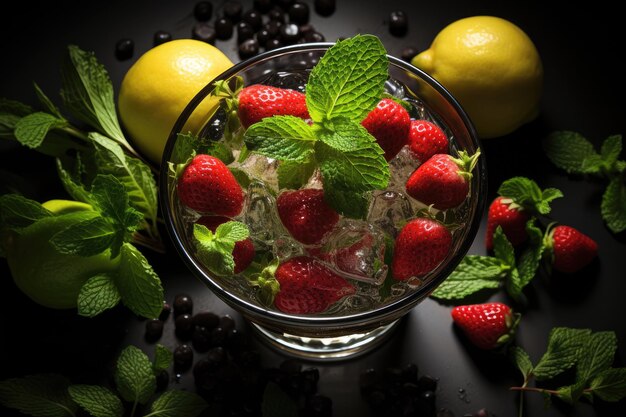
(583, 84)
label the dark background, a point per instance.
(583, 84)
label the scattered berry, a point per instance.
(248, 48)
(203, 11)
(233, 11)
(398, 23)
(154, 329)
(183, 357)
(223, 28)
(253, 18)
(511, 217)
(299, 13)
(161, 36)
(183, 304)
(324, 7)
(488, 325)
(203, 32)
(409, 53)
(571, 249)
(124, 49)
(389, 123)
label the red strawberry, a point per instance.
(426, 139)
(443, 180)
(487, 325)
(307, 286)
(208, 186)
(244, 249)
(259, 101)
(571, 249)
(389, 123)
(306, 215)
(421, 245)
(512, 218)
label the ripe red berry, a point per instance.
(572, 250)
(306, 215)
(488, 325)
(511, 217)
(243, 253)
(258, 101)
(389, 123)
(426, 139)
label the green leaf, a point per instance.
(87, 238)
(241, 176)
(220, 151)
(596, 356)
(14, 107)
(286, 138)
(177, 403)
(568, 151)
(293, 175)
(276, 403)
(31, 130)
(235, 231)
(502, 248)
(72, 183)
(162, 359)
(351, 159)
(47, 103)
(526, 193)
(134, 378)
(17, 211)
(563, 350)
(473, 274)
(530, 259)
(138, 284)
(184, 148)
(110, 197)
(348, 81)
(42, 395)
(347, 203)
(96, 400)
(97, 295)
(610, 384)
(613, 207)
(522, 361)
(88, 93)
(216, 255)
(610, 150)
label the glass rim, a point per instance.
(380, 313)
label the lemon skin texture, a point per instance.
(492, 68)
(160, 84)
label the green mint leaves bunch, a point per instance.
(342, 89)
(589, 354)
(215, 250)
(52, 395)
(573, 153)
(506, 268)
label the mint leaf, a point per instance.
(596, 356)
(276, 403)
(348, 81)
(42, 395)
(133, 376)
(610, 150)
(138, 284)
(530, 259)
(347, 203)
(502, 248)
(177, 403)
(72, 181)
(568, 151)
(86, 238)
(184, 148)
(522, 361)
(14, 107)
(241, 176)
(96, 400)
(162, 359)
(613, 207)
(220, 151)
(88, 93)
(563, 350)
(215, 250)
(31, 130)
(351, 159)
(473, 274)
(610, 384)
(525, 192)
(293, 175)
(17, 211)
(47, 103)
(286, 138)
(97, 295)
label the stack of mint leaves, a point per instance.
(97, 166)
(573, 153)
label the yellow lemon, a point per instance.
(491, 67)
(157, 87)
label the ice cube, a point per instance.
(395, 88)
(285, 247)
(260, 214)
(401, 167)
(389, 210)
(261, 168)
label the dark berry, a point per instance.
(276, 15)
(253, 18)
(262, 36)
(183, 304)
(165, 312)
(183, 357)
(324, 7)
(262, 6)
(234, 339)
(244, 32)
(233, 11)
(203, 32)
(217, 356)
(427, 383)
(227, 322)
(218, 335)
(289, 33)
(368, 379)
(306, 28)
(184, 326)
(273, 28)
(201, 339)
(398, 23)
(248, 48)
(124, 49)
(206, 319)
(223, 28)
(203, 374)
(273, 44)
(392, 375)
(284, 4)
(162, 380)
(409, 373)
(299, 13)
(314, 36)
(154, 329)
(161, 36)
(408, 53)
(203, 11)
(291, 366)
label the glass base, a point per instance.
(326, 348)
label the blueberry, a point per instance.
(408, 53)
(154, 329)
(299, 13)
(165, 311)
(218, 335)
(244, 32)
(183, 357)
(273, 44)
(398, 23)
(223, 28)
(124, 49)
(262, 36)
(203, 374)
(253, 18)
(273, 28)
(234, 340)
(183, 304)
(203, 11)
(314, 36)
(324, 7)
(161, 36)
(248, 48)
(409, 373)
(392, 374)
(227, 322)
(289, 34)
(284, 4)
(233, 10)
(368, 379)
(201, 338)
(184, 326)
(203, 32)
(262, 6)
(276, 15)
(217, 356)
(206, 319)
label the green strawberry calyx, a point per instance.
(512, 321)
(262, 275)
(466, 163)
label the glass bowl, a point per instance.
(343, 333)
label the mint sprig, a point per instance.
(575, 154)
(215, 250)
(526, 193)
(96, 400)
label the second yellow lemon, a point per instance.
(492, 67)
(157, 87)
